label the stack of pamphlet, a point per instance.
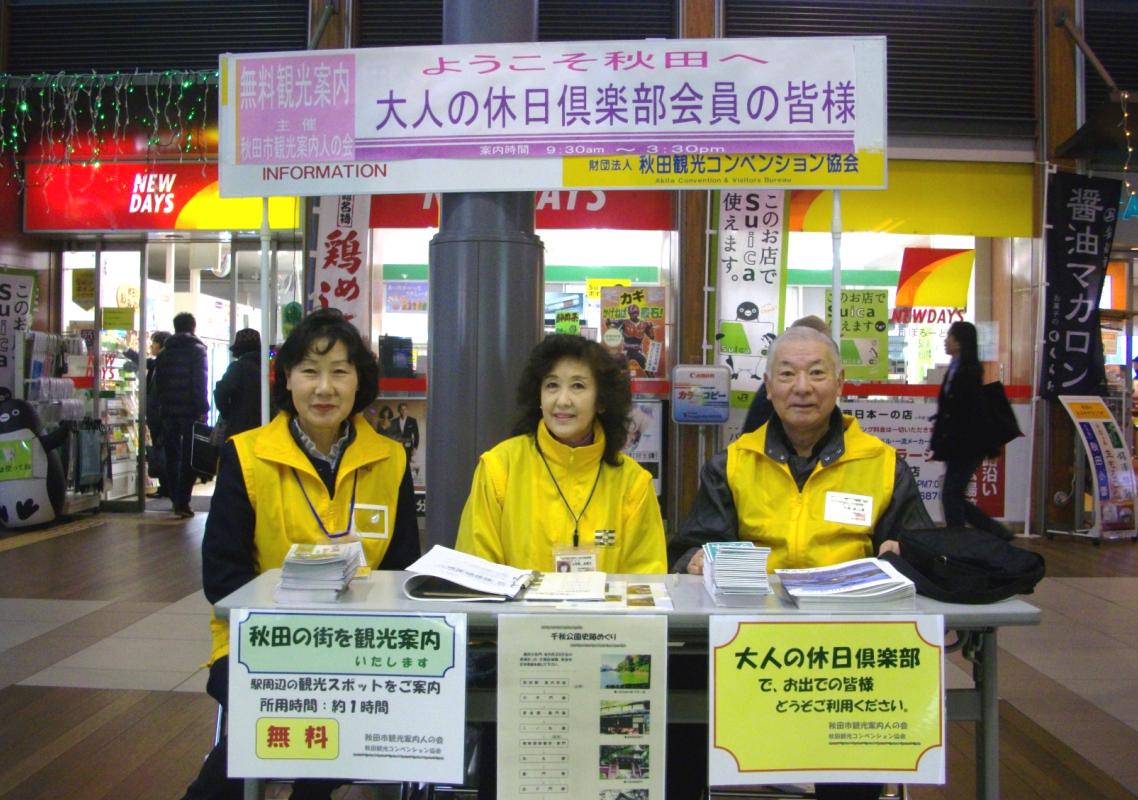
(735, 569)
(317, 573)
(859, 584)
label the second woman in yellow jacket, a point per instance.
(559, 494)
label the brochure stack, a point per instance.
(734, 570)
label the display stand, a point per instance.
(1101, 446)
(118, 413)
(60, 401)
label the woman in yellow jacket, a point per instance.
(559, 494)
(314, 474)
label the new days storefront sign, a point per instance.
(147, 196)
(637, 114)
(156, 196)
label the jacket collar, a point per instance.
(844, 437)
(563, 455)
(277, 444)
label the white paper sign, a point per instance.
(581, 706)
(331, 694)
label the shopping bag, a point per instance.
(203, 455)
(220, 434)
(998, 414)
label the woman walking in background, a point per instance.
(959, 436)
(238, 393)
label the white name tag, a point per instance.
(849, 509)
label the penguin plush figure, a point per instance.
(32, 484)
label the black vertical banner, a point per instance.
(1081, 213)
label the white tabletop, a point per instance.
(382, 591)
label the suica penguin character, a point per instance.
(32, 484)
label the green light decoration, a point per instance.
(85, 117)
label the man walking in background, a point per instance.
(181, 378)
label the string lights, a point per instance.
(90, 118)
(1129, 144)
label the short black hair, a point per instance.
(159, 337)
(185, 323)
(614, 394)
(319, 332)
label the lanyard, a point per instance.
(556, 485)
(320, 522)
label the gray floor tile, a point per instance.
(172, 655)
(14, 632)
(148, 679)
(195, 604)
(35, 610)
(193, 627)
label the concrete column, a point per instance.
(487, 279)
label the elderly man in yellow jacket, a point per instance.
(810, 484)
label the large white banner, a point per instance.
(587, 114)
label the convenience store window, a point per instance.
(873, 261)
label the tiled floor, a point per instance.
(1075, 675)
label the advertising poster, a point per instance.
(645, 443)
(347, 695)
(852, 699)
(1109, 459)
(405, 421)
(699, 394)
(864, 333)
(1000, 486)
(405, 296)
(1081, 214)
(751, 281)
(633, 320)
(581, 706)
(17, 304)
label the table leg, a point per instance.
(254, 788)
(986, 675)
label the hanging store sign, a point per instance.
(1081, 214)
(633, 114)
(151, 196)
(751, 283)
(864, 333)
(342, 250)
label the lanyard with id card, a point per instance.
(575, 558)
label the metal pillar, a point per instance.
(487, 276)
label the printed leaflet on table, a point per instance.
(862, 582)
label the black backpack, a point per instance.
(965, 565)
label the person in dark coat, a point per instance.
(238, 393)
(959, 437)
(155, 455)
(181, 376)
